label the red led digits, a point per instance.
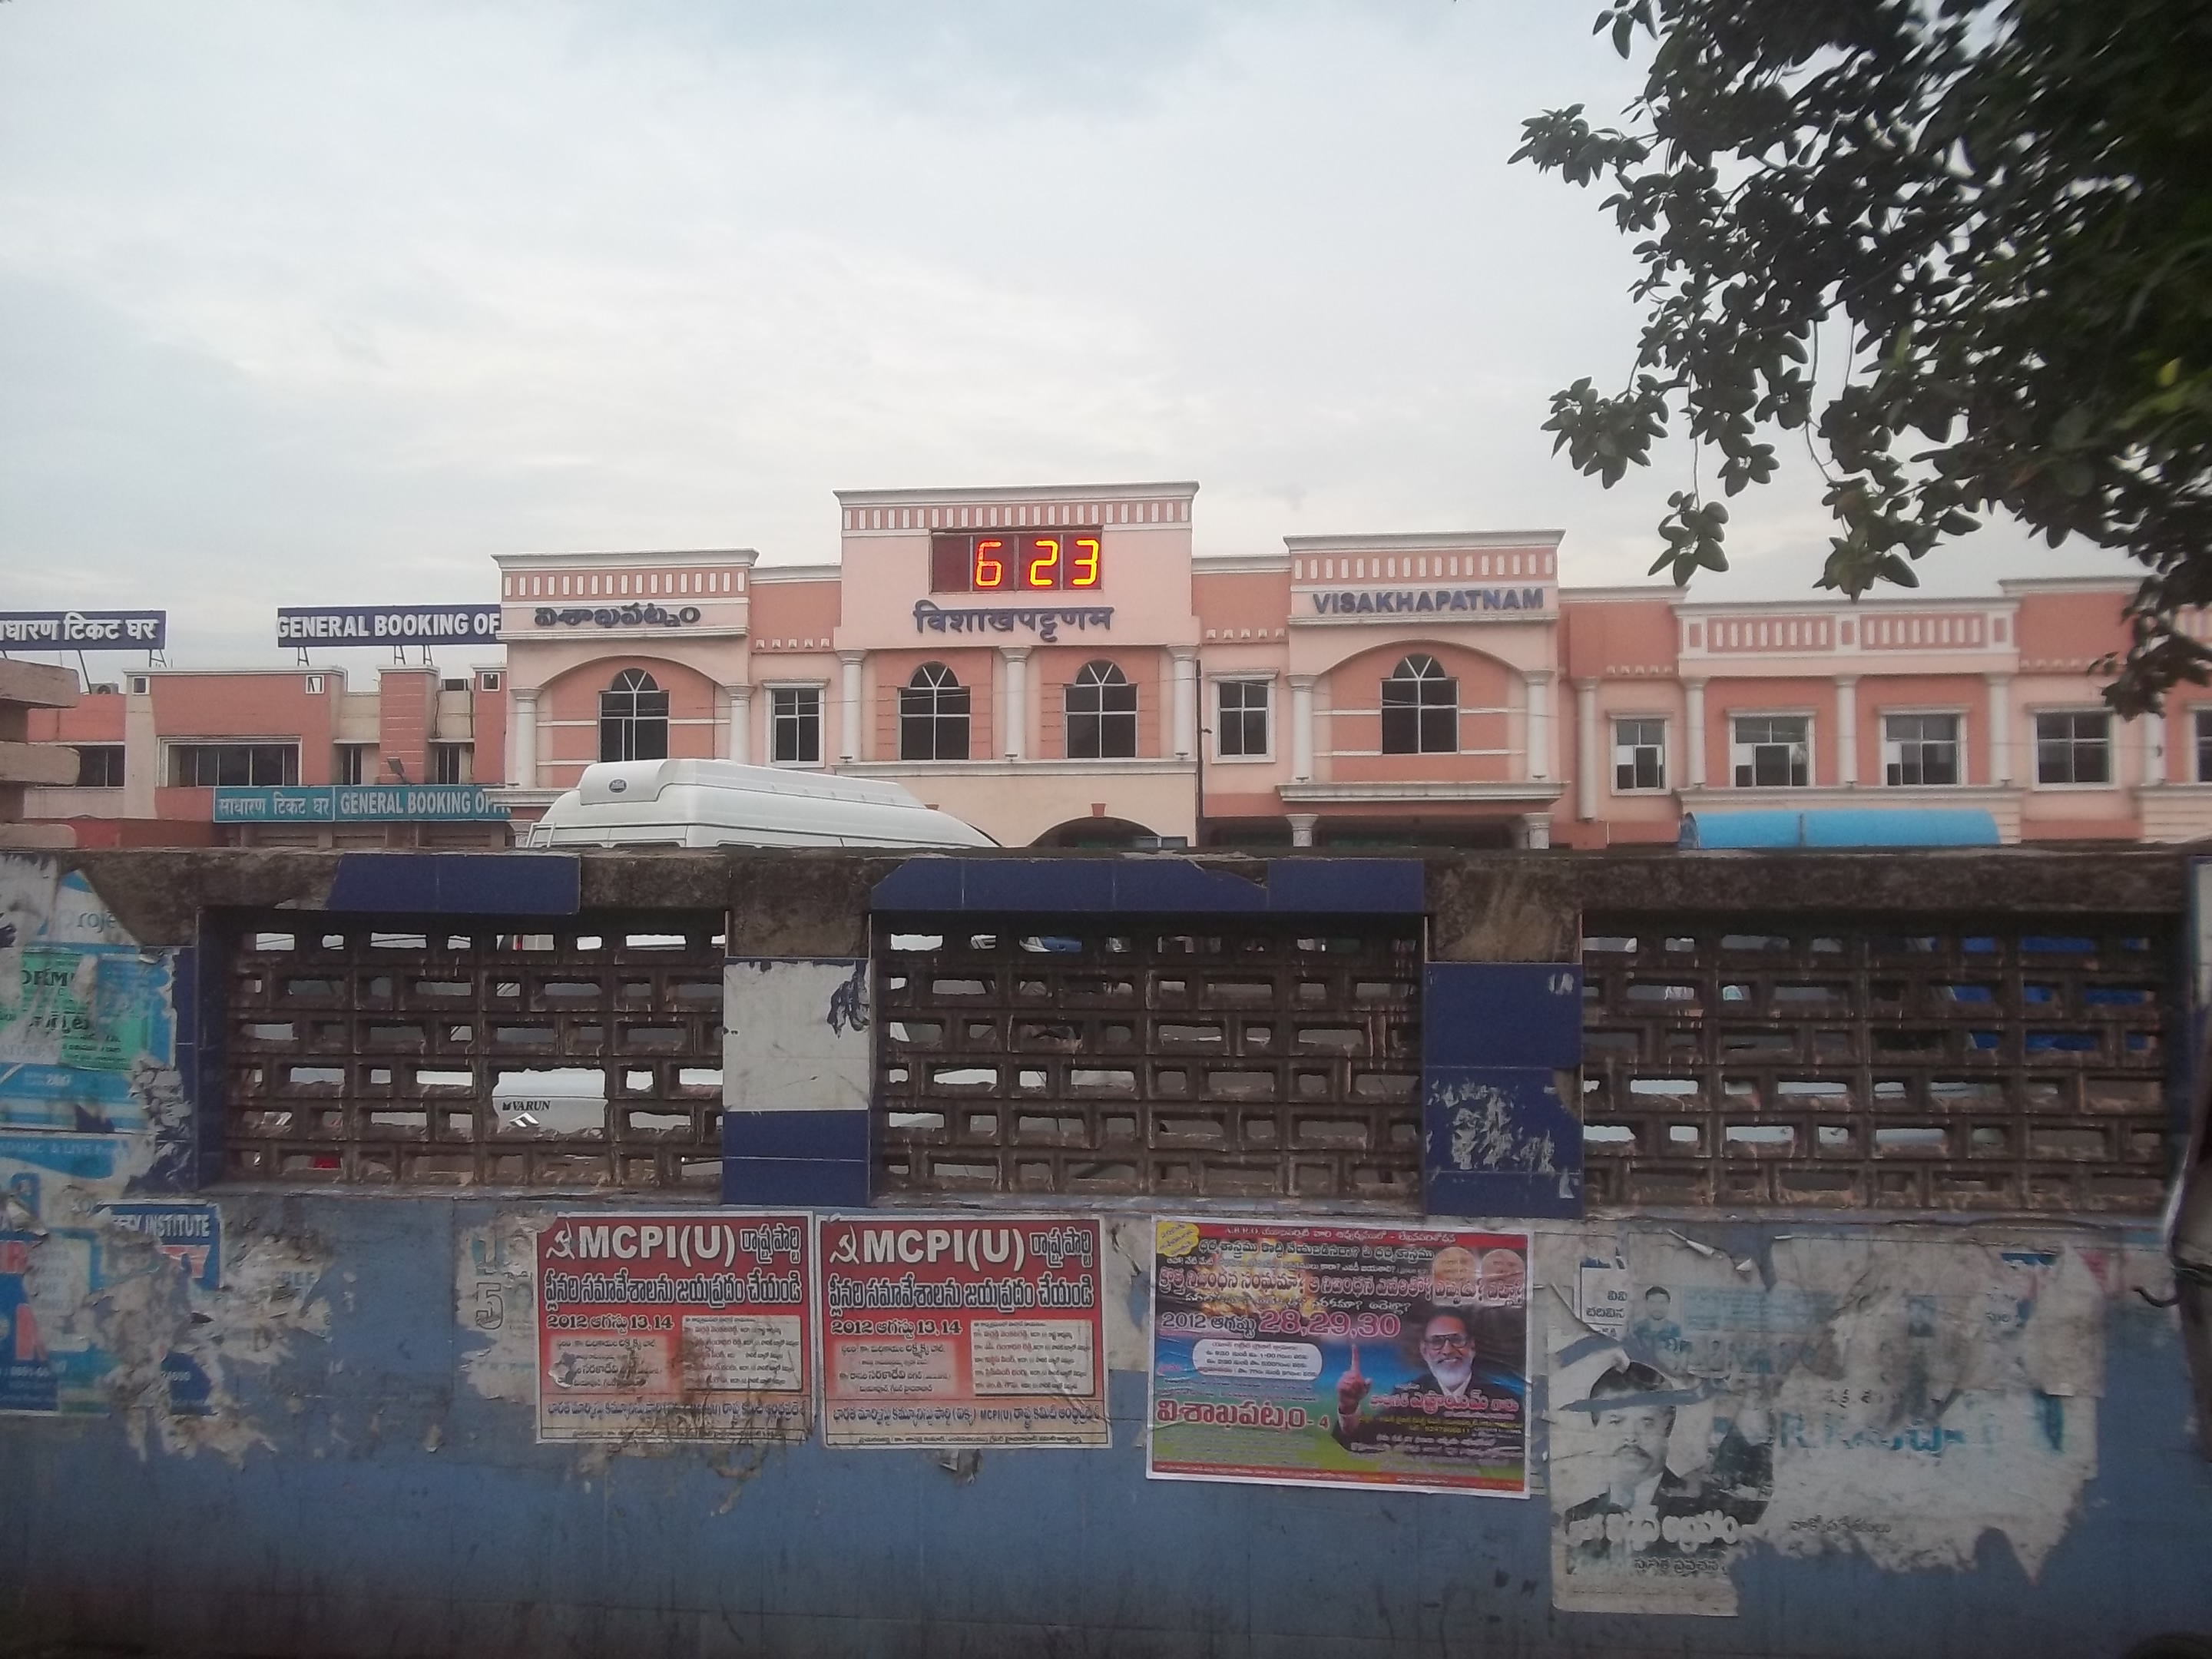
(993, 564)
(1083, 564)
(990, 570)
(1042, 568)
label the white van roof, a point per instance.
(707, 803)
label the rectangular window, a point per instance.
(451, 762)
(795, 724)
(1919, 749)
(350, 763)
(2074, 747)
(232, 765)
(1240, 724)
(99, 766)
(1639, 755)
(2204, 745)
(1772, 751)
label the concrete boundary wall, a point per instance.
(276, 1421)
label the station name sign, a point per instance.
(1467, 602)
(437, 802)
(85, 630)
(375, 624)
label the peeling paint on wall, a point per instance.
(796, 1035)
(495, 1301)
(1892, 1398)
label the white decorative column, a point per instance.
(1302, 728)
(2000, 728)
(1014, 718)
(521, 740)
(1693, 693)
(1302, 828)
(2153, 750)
(1539, 725)
(1847, 729)
(848, 725)
(741, 723)
(1587, 772)
(1186, 701)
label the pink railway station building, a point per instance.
(1062, 667)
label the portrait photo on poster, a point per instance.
(1340, 1355)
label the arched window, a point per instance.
(1420, 710)
(1102, 713)
(933, 715)
(633, 719)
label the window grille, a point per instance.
(1921, 750)
(1420, 710)
(99, 766)
(1102, 713)
(1921, 1065)
(230, 765)
(2073, 747)
(1639, 755)
(1240, 726)
(1772, 751)
(795, 724)
(633, 718)
(933, 715)
(1043, 1055)
(451, 763)
(360, 1052)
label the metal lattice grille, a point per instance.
(361, 1052)
(1053, 1055)
(1948, 1066)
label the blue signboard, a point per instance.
(85, 630)
(379, 624)
(436, 802)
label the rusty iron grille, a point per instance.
(367, 1053)
(1039, 1055)
(1935, 1065)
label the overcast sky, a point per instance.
(326, 304)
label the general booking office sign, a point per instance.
(1340, 1355)
(688, 1326)
(962, 1331)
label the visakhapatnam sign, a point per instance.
(85, 630)
(383, 624)
(1501, 604)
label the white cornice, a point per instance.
(1240, 564)
(691, 556)
(1428, 542)
(1665, 591)
(767, 575)
(2123, 585)
(1415, 793)
(1180, 489)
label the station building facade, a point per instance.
(1060, 666)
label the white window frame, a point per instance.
(2035, 751)
(1274, 711)
(2200, 726)
(1812, 744)
(821, 690)
(1961, 741)
(312, 685)
(1614, 719)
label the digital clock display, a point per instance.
(1016, 560)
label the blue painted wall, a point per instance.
(397, 1512)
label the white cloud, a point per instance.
(313, 304)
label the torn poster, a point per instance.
(1340, 1355)
(1892, 1397)
(685, 1327)
(948, 1331)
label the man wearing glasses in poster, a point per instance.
(1456, 1406)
